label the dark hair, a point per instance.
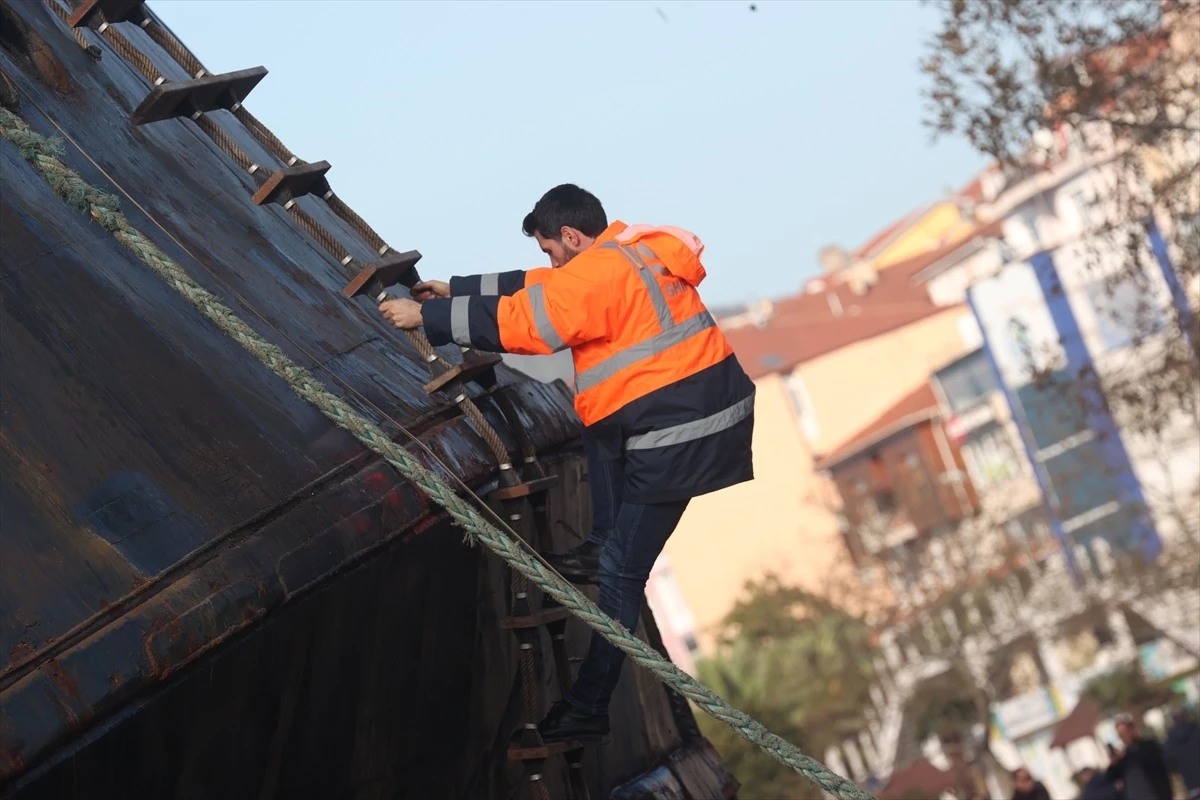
(565, 206)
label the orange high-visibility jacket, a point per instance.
(656, 382)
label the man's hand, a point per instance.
(404, 314)
(427, 290)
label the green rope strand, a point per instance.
(44, 154)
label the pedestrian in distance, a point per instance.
(1094, 784)
(1026, 788)
(1140, 764)
(1182, 751)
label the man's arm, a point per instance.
(496, 284)
(562, 309)
(1116, 768)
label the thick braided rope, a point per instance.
(360, 226)
(43, 153)
(131, 54)
(224, 142)
(175, 49)
(266, 138)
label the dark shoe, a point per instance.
(565, 724)
(579, 564)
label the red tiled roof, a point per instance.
(1079, 724)
(974, 189)
(806, 326)
(917, 406)
(920, 776)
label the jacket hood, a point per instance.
(679, 250)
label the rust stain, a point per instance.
(23, 42)
(61, 679)
(21, 651)
(10, 763)
(64, 711)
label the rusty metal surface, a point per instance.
(162, 492)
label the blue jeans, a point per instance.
(631, 535)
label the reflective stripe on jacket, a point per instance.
(497, 284)
(656, 381)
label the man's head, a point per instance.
(1023, 780)
(1084, 776)
(565, 222)
(1126, 728)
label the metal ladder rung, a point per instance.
(525, 489)
(543, 617)
(391, 269)
(197, 96)
(549, 750)
(110, 11)
(292, 182)
(466, 371)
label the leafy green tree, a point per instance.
(797, 663)
(1127, 689)
(944, 707)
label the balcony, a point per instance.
(884, 531)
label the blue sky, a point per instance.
(768, 133)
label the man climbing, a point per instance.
(667, 410)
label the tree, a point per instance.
(944, 707)
(1126, 689)
(799, 664)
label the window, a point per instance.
(802, 406)
(990, 457)
(1024, 228)
(1085, 210)
(1125, 312)
(967, 381)
(771, 361)
(915, 481)
(1023, 353)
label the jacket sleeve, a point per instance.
(562, 309)
(494, 284)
